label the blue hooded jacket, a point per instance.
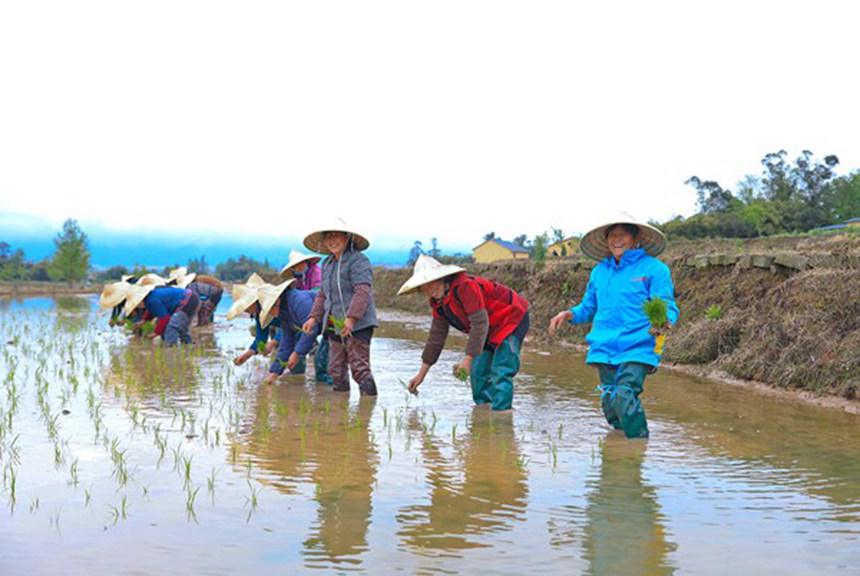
(613, 302)
(293, 314)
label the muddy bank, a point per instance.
(47, 289)
(784, 316)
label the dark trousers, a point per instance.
(350, 355)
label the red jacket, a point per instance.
(468, 294)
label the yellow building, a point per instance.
(853, 222)
(566, 247)
(494, 250)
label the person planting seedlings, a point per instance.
(246, 300)
(292, 307)
(346, 293)
(173, 307)
(630, 301)
(208, 288)
(114, 295)
(494, 316)
(308, 275)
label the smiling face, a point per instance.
(335, 242)
(619, 240)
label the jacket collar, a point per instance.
(631, 256)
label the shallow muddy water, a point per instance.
(119, 457)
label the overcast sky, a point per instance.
(409, 119)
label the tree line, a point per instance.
(787, 197)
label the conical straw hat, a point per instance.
(136, 294)
(244, 295)
(594, 244)
(268, 295)
(151, 279)
(427, 270)
(314, 240)
(297, 257)
(113, 294)
(181, 277)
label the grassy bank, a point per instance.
(790, 328)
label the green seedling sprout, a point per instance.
(406, 387)
(338, 323)
(656, 310)
(462, 374)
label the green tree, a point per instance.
(434, 248)
(416, 251)
(538, 251)
(12, 264)
(843, 201)
(238, 270)
(198, 265)
(71, 260)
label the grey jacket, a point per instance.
(339, 279)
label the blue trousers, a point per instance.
(321, 362)
(621, 386)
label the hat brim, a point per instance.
(419, 279)
(594, 244)
(242, 302)
(113, 294)
(268, 295)
(135, 296)
(309, 258)
(151, 279)
(314, 240)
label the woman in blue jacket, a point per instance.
(622, 342)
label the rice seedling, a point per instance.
(210, 485)
(190, 497)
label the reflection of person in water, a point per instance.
(624, 534)
(479, 494)
(321, 439)
(344, 475)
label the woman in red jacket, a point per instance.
(494, 316)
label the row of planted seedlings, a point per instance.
(89, 387)
(180, 401)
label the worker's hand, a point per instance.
(348, 325)
(415, 382)
(271, 345)
(292, 361)
(559, 319)
(308, 326)
(271, 378)
(657, 331)
(243, 357)
(463, 370)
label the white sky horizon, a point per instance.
(411, 121)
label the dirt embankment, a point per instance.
(782, 313)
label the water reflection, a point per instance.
(480, 489)
(624, 532)
(304, 435)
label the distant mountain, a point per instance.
(127, 250)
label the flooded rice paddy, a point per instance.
(118, 457)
